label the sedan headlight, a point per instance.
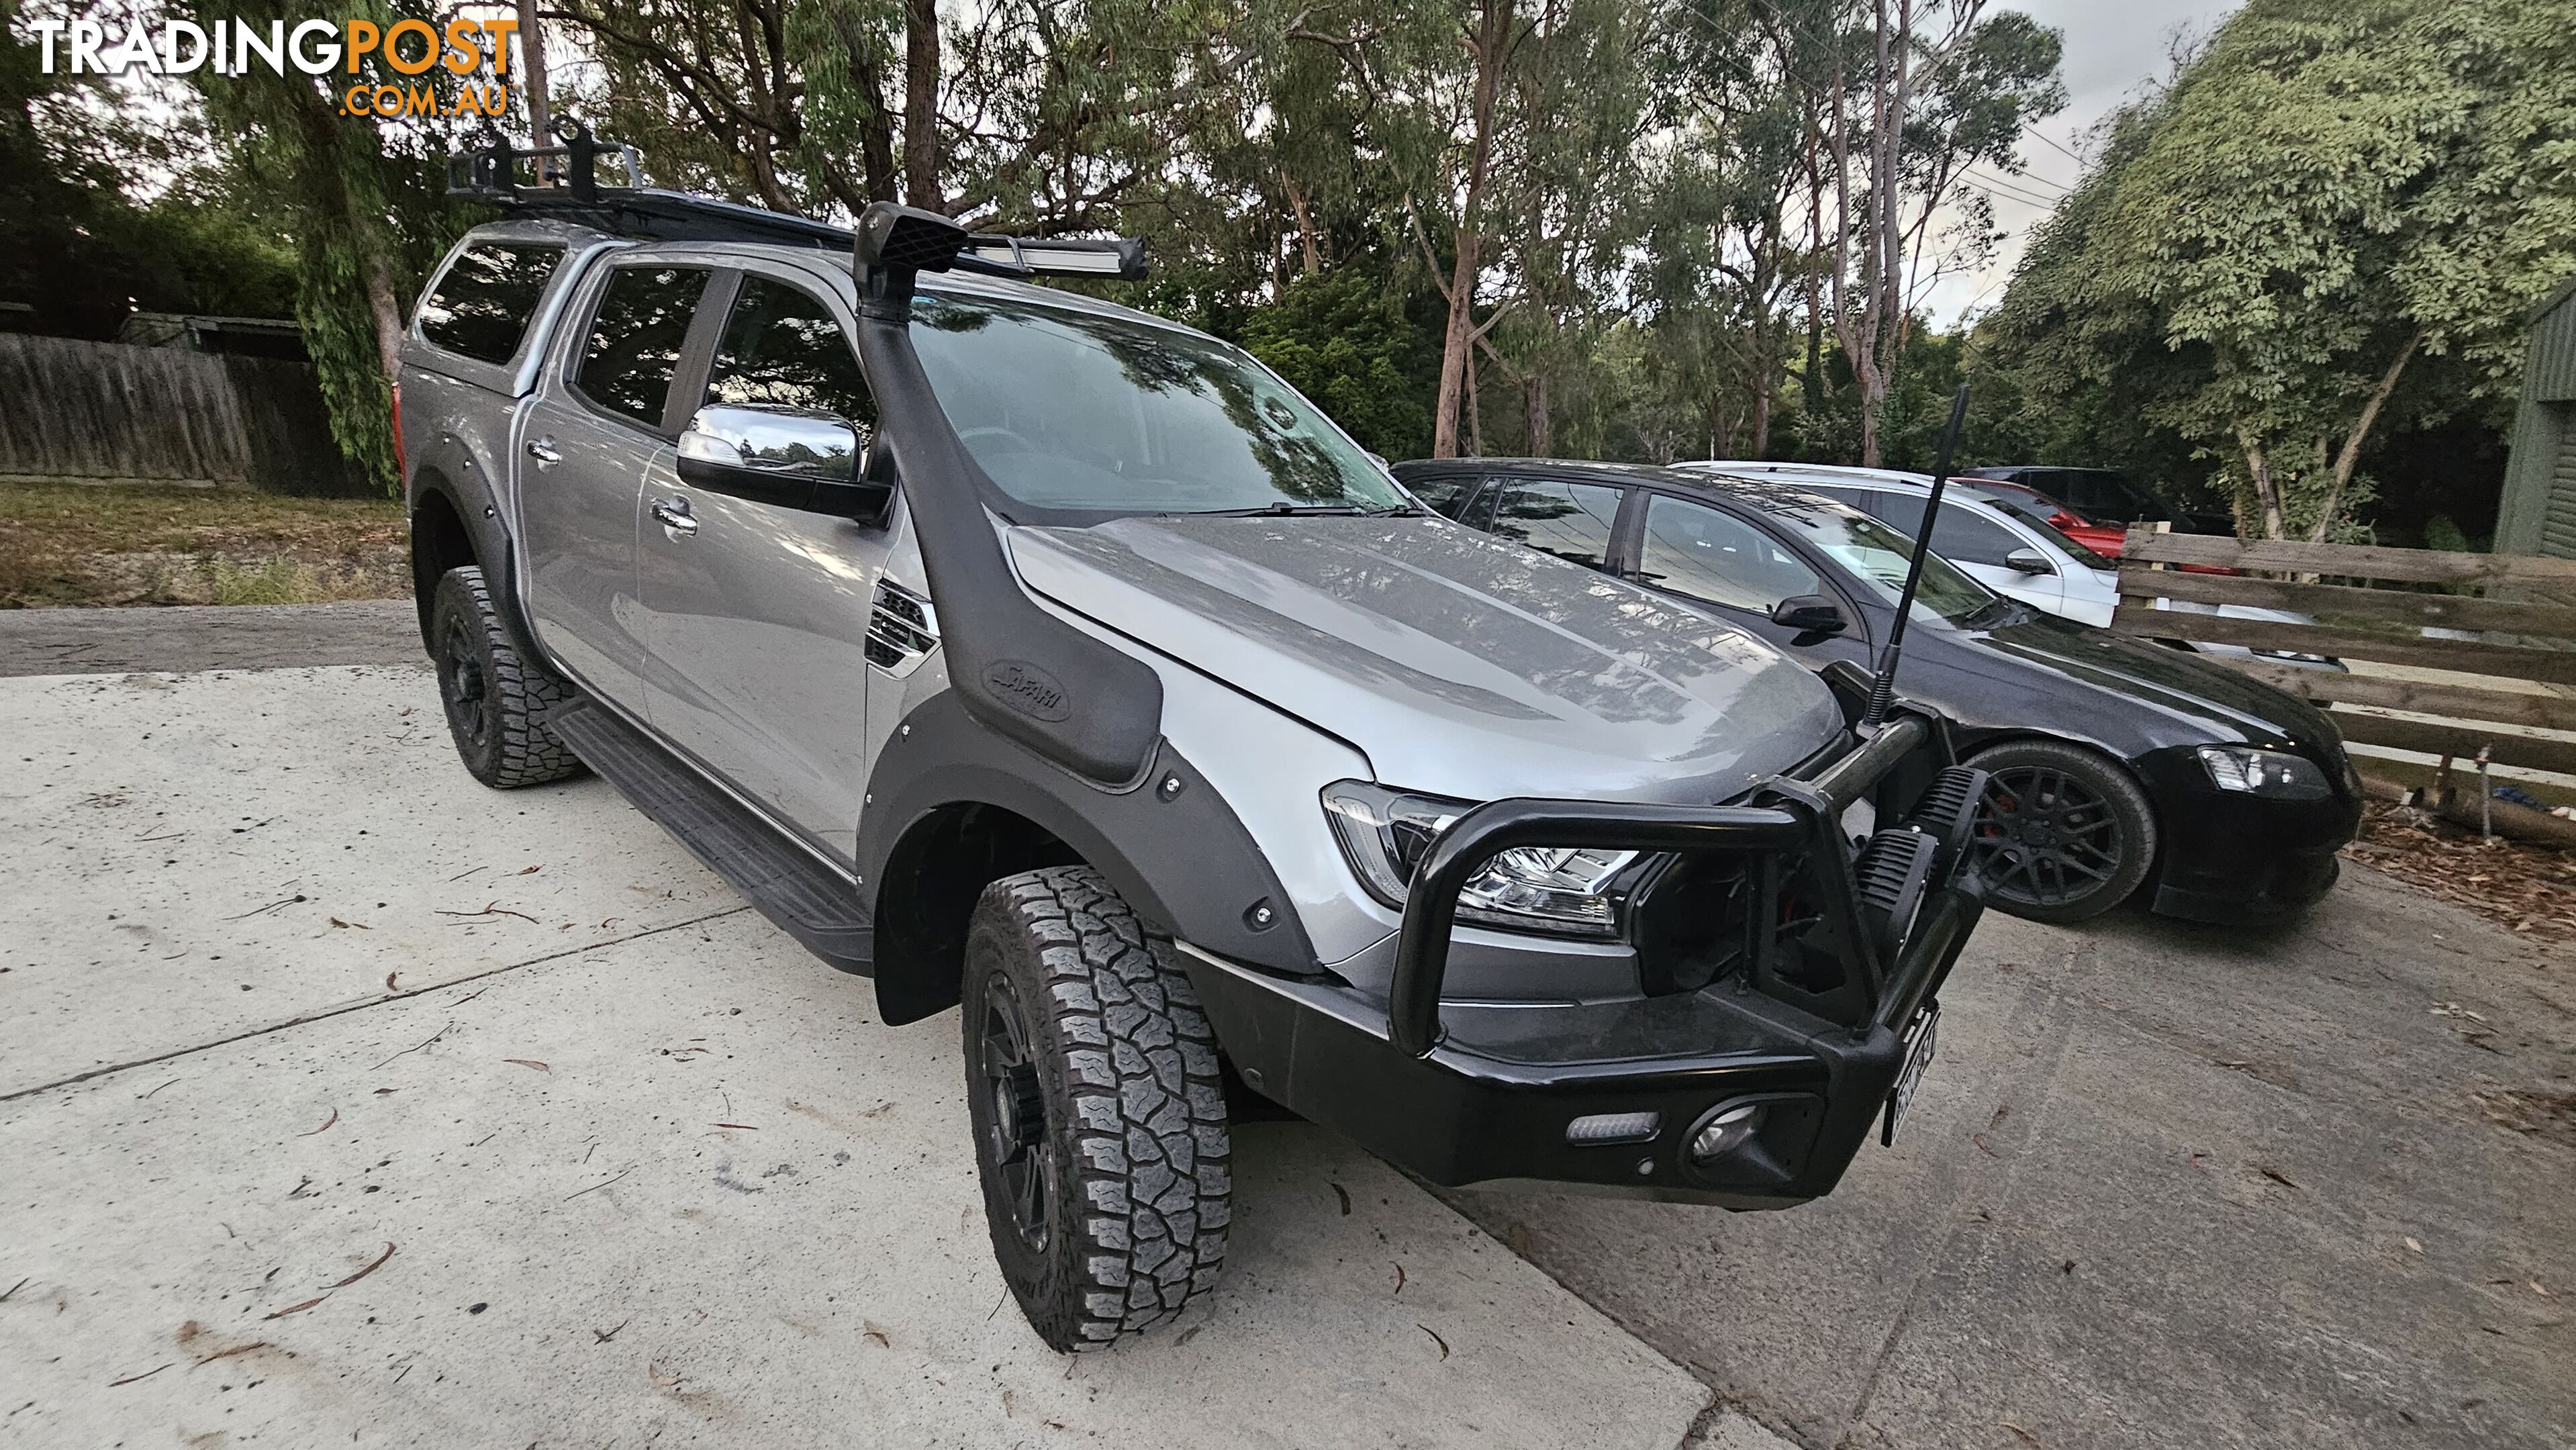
(1385, 834)
(2272, 773)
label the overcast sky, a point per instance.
(2113, 48)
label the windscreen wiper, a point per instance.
(1285, 510)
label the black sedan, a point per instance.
(2116, 763)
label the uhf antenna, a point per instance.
(1882, 692)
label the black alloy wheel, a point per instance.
(1016, 1149)
(493, 698)
(463, 685)
(1098, 1107)
(2063, 833)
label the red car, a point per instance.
(2095, 506)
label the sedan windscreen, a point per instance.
(1068, 409)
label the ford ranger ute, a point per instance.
(1049, 661)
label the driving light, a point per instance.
(2272, 773)
(1600, 1128)
(1725, 1133)
(1385, 834)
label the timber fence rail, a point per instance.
(2521, 628)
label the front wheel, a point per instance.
(2063, 834)
(1099, 1115)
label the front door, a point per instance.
(1979, 547)
(590, 445)
(1712, 556)
(758, 614)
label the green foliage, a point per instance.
(1347, 340)
(2332, 221)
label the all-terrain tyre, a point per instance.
(1100, 1124)
(2063, 834)
(491, 695)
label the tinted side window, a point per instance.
(482, 306)
(1446, 492)
(781, 346)
(1570, 520)
(635, 339)
(1960, 537)
(1707, 554)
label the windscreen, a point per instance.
(1876, 555)
(2047, 532)
(1072, 410)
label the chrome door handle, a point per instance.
(543, 450)
(673, 515)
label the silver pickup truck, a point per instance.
(1037, 655)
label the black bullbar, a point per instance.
(1751, 1091)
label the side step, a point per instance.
(789, 886)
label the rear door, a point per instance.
(595, 437)
(1573, 519)
(759, 614)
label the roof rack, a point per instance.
(563, 184)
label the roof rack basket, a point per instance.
(563, 184)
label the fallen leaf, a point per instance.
(2415, 1245)
(129, 1379)
(655, 1373)
(1188, 1334)
(297, 1308)
(602, 1336)
(369, 1269)
(1399, 1278)
(359, 925)
(529, 1062)
(389, 980)
(326, 1123)
(1435, 1339)
(236, 1349)
(2279, 1177)
(1344, 1195)
(2001, 1113)
(746, 1127)
(2027, 1437)
(1982, 1146)
(532, 870)
(876, 1334)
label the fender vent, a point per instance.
(1891, 875)
(902, 629)
(1948, 813)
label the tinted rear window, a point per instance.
(482, 306)
(635, 339)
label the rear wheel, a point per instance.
(2063, 834)
(1100, 1126)
(492, 696)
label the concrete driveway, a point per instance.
(2168, 1186)
(345, 1102)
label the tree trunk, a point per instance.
(2267, 490)
(532, 79)
(1493, 30)
(2350, 457)
(876, 133)
(1305, 226)
(921, 104)
(386, 310)
(1534, 408)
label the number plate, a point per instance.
(1918, 1056)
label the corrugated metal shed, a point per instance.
(2539, 512)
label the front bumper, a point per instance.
(2237, 859)
(1461, 1092)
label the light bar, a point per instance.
(1123, 257)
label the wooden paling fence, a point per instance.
(112, 412)
(2522, 626)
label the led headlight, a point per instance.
(2272, 773)
(1385, 834)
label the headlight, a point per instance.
(2272, 773)
(1385, 833)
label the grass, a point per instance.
(72, 544)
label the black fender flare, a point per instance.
(1168, 842)
(489, 537)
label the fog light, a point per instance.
(1600, 1128)
(1725, 1133)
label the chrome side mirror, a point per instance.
(798, 458)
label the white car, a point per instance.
(1995, 538)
